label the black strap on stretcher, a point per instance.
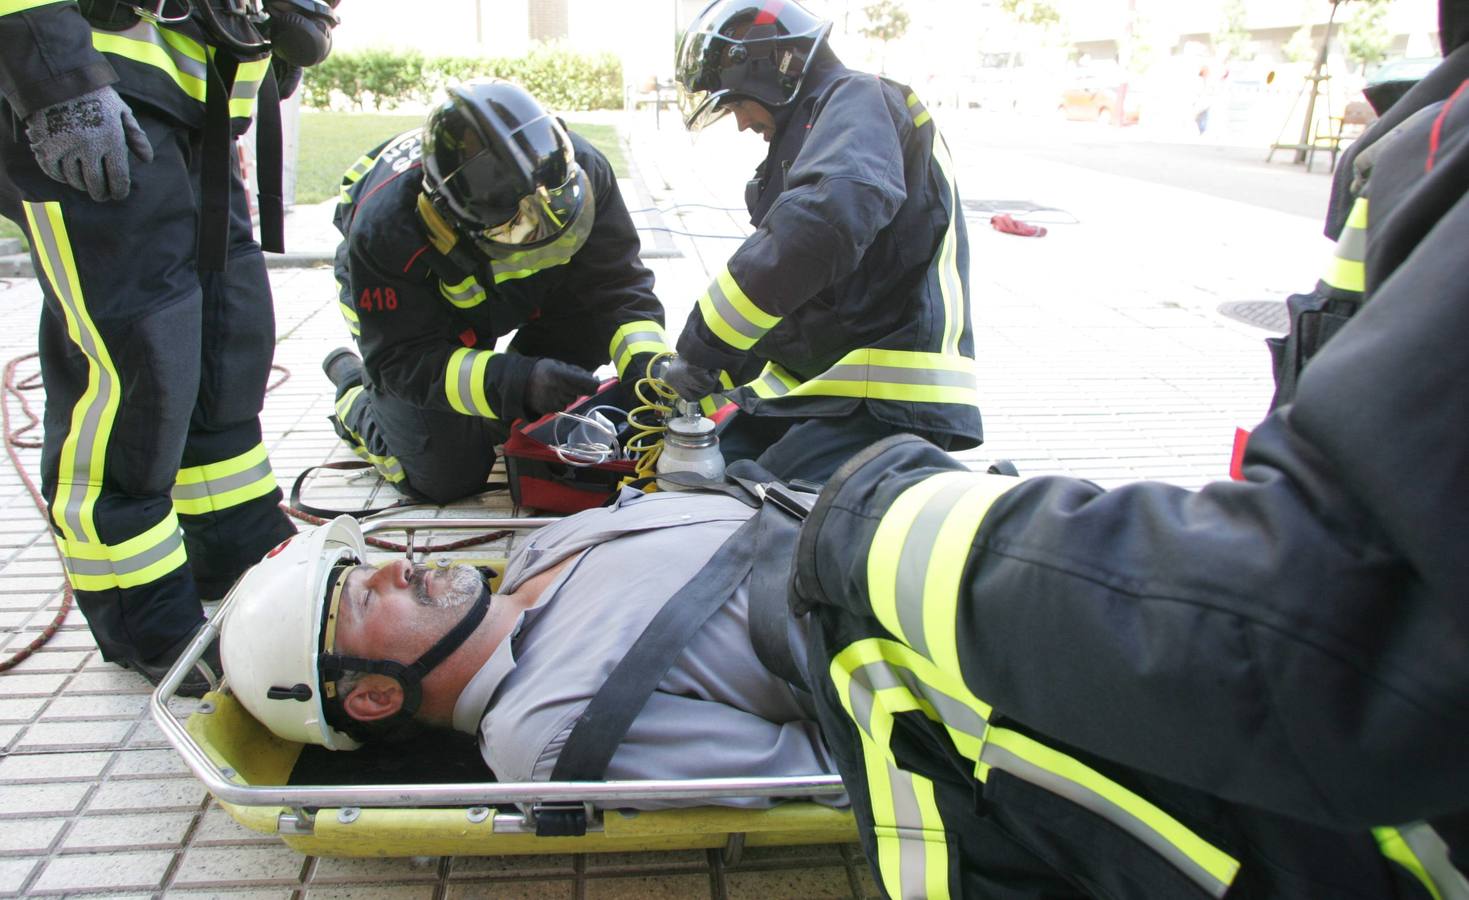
(602, 726)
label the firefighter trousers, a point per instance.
(954, 800)
(158, 482)
(429, 454)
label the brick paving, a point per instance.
(1101, 353)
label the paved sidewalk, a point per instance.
(1101, 354)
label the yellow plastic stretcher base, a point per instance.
(236, 741)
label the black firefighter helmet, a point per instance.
(501, 169)
(745, 49)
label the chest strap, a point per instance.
(601, 728)
(767, 537)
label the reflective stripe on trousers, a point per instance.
(1420, 850)
(1347, 270)
(914, 574)
(387, 465)
(92, 564)
(220, 485)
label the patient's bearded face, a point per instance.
(444, 587)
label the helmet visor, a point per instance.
(700, 109)
(540, 217)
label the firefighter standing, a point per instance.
(853, 292)
(490, 219)
(117, 160)
(1254, 690)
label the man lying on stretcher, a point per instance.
(383, 651)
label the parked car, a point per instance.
(1392, 80)
(1091, 100)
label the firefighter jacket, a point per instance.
(426, 313)
(1292, 643)
(52, 53)
(854, 287)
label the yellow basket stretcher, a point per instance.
(249, 771)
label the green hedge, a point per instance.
(385, 79)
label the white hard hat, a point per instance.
(271, 632)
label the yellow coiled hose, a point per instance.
(649, 421)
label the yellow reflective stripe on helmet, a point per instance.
(733, 317)
(94, 566)
(917, 110)
(1347, 270)
(181, 58)
(225, 484)
(912, 849)
(1420, 850)
(387, 466)
(945, 266)
(247, 87)
(1029, 760)
(84, 449)
(10, 7)
(873, 374)
(467, 294)
(643, 336)
(354, 321)
(464, 382)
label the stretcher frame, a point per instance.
(245, 767)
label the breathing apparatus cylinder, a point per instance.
(689, 445)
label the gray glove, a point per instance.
(84, 142)
(690, 381)
(553, 384)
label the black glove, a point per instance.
(554, 384)
(301, 30)
(692, 382)
(84, 142)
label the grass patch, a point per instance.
(332, 141)
(604, 138)
(9, 229)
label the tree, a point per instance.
(1232, 40)
(1038, 13)
(887, 21)
(1364, 34)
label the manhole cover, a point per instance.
(1270, 315)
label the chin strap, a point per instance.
(409, 677)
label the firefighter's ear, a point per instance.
(375, 697)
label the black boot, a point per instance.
(196, 682)
(344, 368)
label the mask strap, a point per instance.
(410, 676)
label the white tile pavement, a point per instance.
(1100, 354)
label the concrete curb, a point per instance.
(18, 265)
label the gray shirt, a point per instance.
(717, 712)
